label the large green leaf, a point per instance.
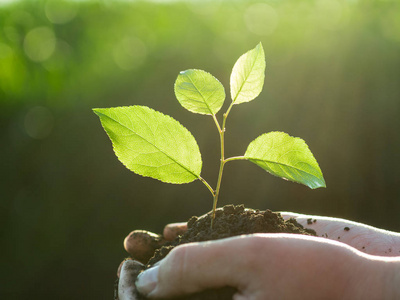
(199, 92)
(152, 144)
(248, 73)
(287, 157)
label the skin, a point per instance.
(361, 262)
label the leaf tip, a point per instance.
(318, 184)
(96, 110)
(259, 48)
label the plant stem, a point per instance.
(221, 169)
(208, 186)
(222, 162)
(226, 115)
(235, 158)
(217, 124)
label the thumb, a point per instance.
(191, 268)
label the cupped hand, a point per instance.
(269, 266)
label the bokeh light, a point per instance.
(39, 43)
(60, 12)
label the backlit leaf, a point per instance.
(152, 144)
(199, 92)
(287, 157)
(247, 78)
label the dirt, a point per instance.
(229, 221)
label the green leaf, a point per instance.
(199, 92)
(152, 144)
(287, 157)
(247, 78)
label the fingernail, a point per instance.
(146, 282)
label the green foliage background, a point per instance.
(333, 72)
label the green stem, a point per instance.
(208, 186)
(235, 158)
(222, 162)
(221, 169)
(226, 115)
(217, 123)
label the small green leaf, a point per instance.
(247, 78)
(199, 92)
(287, 157)
(152, 144)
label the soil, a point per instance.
(229, 221)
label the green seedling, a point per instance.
(155, 145)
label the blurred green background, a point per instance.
(333, 78)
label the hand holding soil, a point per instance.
(352, 261)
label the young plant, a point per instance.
(155, 145)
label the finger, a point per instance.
(365, 238)
(128, 274)
(141, 244)
(184, 271)
(173, 230)
(120, 267)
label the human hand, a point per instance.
(307, 266)
(141, 245)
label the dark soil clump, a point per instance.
(229, 221)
